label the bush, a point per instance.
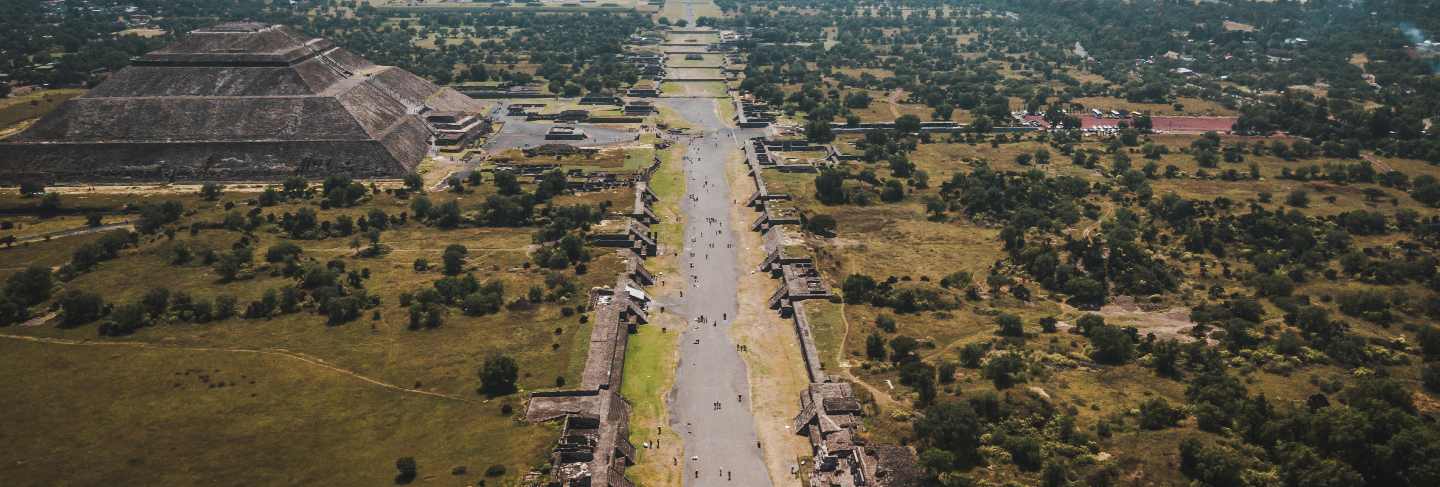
(407, 468)
(1006, 370)
(1156, 414)
(495, 471)
(823, 225)
(1047, 324)
(498, 375)
(886, 323)
(80, 307)
(972, 354)
(30, 286)
(1111, 345)
(282, 252)
(1431, 377)
(1010, 325)
(454, 259)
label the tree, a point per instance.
(211, 191)
(818, 132)
(907, 124)
(1010, 325)
(1005, 370)
(893, 191)
(875, 346)
(498, 376)
(421, 206)
(1111, 345)
(901, 348)
(858, 288)
(1085, 292)
(414, 183)
(282, 252)
(886, 323)
(507, 183)
(830, 187)
(1298, 198)
(407, 468)
(951, 426)
(1156, 414)
(551, 184)
(454, 259)
(31, 188)
(80, 307)
(822, 225)
(937, 461)
(30, 286)
(232, 263)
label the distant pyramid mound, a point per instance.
(237, 101)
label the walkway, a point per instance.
(708, 404)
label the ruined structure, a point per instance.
(241, 101)
(594, 447)
(830, 415)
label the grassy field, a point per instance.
(678, 9)
(650, 361)
(363, 392)
(91, 415)
(708, 89)
(16, 109)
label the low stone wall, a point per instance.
(830, 416)
(594, 449)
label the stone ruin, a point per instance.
(238, 101)
(594, 448)
(830, 415)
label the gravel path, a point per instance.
(708, 404)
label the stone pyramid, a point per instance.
(237, 101)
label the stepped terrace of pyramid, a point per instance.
(238, 101)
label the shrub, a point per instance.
(1111, 345)
(885, 322)
(823, 225)
(498, 375)
(80, 307)
(1006, 370)
(1431, 377)
(407, 468)
(30, 286)
(1156, 414)
(1010, 325)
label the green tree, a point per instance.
(1005, 370)
(907, 124)
(80, 307)
(507, 183)
(30, 286)
(211, 191)
(953, 427)
(414, 183)
(1111, 345)
(1156, 414)
(454, 259)
(901, 348)
(408, 470)
(875, 346)
(498, 376)
(1010, 325)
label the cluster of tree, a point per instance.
(830, 187)
(909, 297)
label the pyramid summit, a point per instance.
(237, 101)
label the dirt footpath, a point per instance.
(776, 371)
